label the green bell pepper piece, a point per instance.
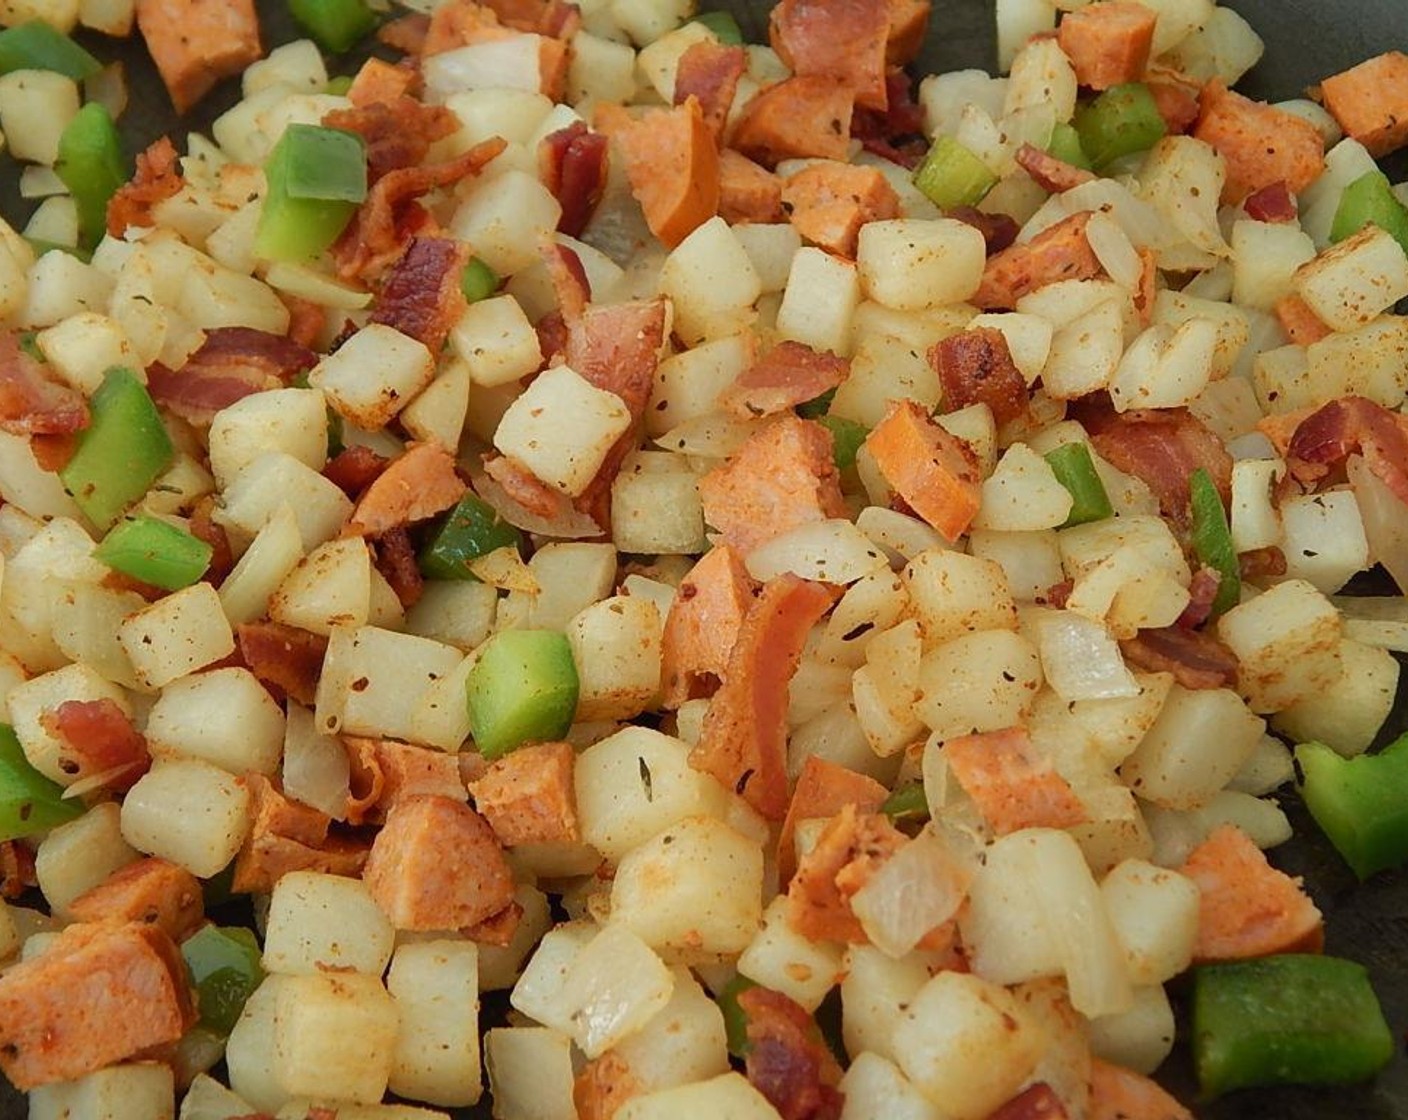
(471, 530)
(846, 438)
(91, 165)
(317, 178)
(723, 25)
(735, 1018)
(29, 802)
(1296, 1019)
(1075, 470)
(224, 965)
(1370, 198)
(1065, 146)
(155, 552)
(952, 176)
(1360, 803)
(1121, 121)
(1212, 540)
(122, 451)
(523, 689)
(817, 407)
(335, 25)
(478, 281)
(35, 45)
(339, 84)
(907, 803)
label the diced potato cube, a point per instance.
(436, 988)
(388, 676)
(334, 1037)
(530, 1073)
(29, 702)
(79, 855)
(612, 987)
(911, 264)
(35, 105)
(496, 341)
(984, 681)
(782, 959)
(875, 1089)
(711, 282)
(225, 717)
(293, 421)
(1347, 714)
(683, 1042)
(325, 923)
(275, 480)
(820, 300)
(505, 218)
(954, 594)
(1354, 281)
(189, 812)
(616, 646)
(1286, 641)
(331, 586)
(730, 1095)
(131, 1091)
(1154, 912)
(374, 374)
(1323, 541)
(176, 635)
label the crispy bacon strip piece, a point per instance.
(782, 477)
(743, 742)
(1202, 593)
(787, 1060)
(823, 789)
(373, 240)
(395, 558)
(1163, 447)
(797, 118)
(17, 873)
(420, 295)
(1058, 253)
(827, 203)
(418, 483)
(285, 657)
(572, 164)
(99, 994)
(355, 468)
(789, 374)
(99, 740)
(897, 134)
(1332, 433)
(31, 404)
(851, 847)
(230, 364)
(975, 366)
(1246, 908)
(1011, 784)
(933, 472)
(157, 179)
(398, 131)
(709, 73)
(1108, 44)
(999, 230)
(569, 282)
(528, 796)
(673, 167)
(841, 40)
(1370, 101)
(1048, 172)
(1196, 659)
(1117, 1093)
(437, 865)
(1260, 143)
(748, 192)
(1273, 203)
(151, 890)
(702, 625)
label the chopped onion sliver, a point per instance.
(1081, 659)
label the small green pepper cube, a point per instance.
(477, 281)
(1370, 200)
(1295, 1019)
(317, 178)
(908, 803)
(35, 45)
(29, 802)
(91, 165)
(846, 438)
(471, 530)
(1360, 803)
(1212, 540)
(735, 1018)
(723, 25)
(1065, 146)
(523, 689)
(335, 25)
(1075, 470)
(1121, 121)
(224, 965)
(121, 453)
(952, 176)
(155, 552)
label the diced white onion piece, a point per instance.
(1081, 660)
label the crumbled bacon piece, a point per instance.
(397, 133)
(204, 527)
(1202, 593)
(230, 364)
(823, 789)
(1163, 447)
(157, 179)
(1273, 203)
(1195, 658)
(787, 1060)
(285, 657)
(897, 133)
(525, 488)
(31, 404)
(420, 294)
(1329, 435)
(375, 237)
(99, 742)
(849, 850)
(16, 869)
(789, 374)
(354, 468)
(999, 230)
(1260, 563)
(569, 282)
(1049, 173)
(975, 366)
(395, 558)
(572, 165)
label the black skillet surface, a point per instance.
(1306, 41)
